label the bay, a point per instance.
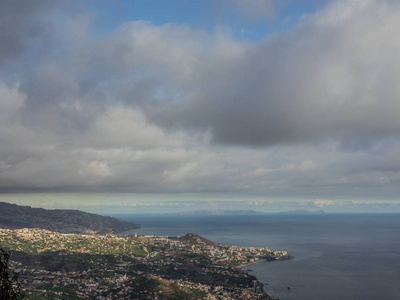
(336, 256)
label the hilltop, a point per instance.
(195, 239)
(14, 216)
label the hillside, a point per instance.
(195, 239)
(14, 216)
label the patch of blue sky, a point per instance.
(160, 95)
(177, 97)
(202, 14)
(111, 14)
(292, 12)
(287, 15)
(167, 95)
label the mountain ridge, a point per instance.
(13, 216)
(218, 212)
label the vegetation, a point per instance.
(14, 216)
(10, 288)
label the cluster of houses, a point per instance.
(178, 260)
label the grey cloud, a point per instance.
(35, 57)
(334, 76)
(136, 110)
(23, 26)
(256, 9)
(328, 78)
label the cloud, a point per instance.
(95, 168)
(256, 9)
(311, 112)
(322, 203)
(304, 166)
(326, 79)
(18, 26)
(27, 28)
(10, 102)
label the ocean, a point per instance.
(336, 256)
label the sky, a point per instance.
(162, 106)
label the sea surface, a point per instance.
(336, 256)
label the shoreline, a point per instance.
(240, 267)
(263, 284)
(286, 257)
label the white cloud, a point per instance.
(124, 127)
(11, 101)
(95, 168)
(323, 203)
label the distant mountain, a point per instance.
(14, 216)
(303, 211)
(218, 212)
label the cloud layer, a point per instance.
(311, 112)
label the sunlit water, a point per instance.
(336, 256)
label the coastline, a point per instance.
(307, 266)
(240, 267)
(285, 257)
(263, 284)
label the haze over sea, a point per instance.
(336, 256)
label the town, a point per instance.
(103, 265)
